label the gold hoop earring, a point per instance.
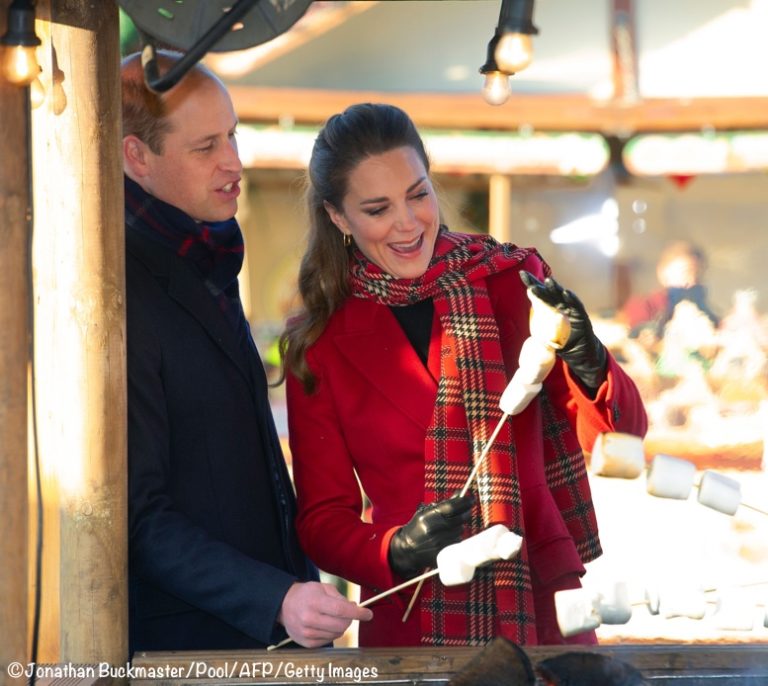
(347, 239)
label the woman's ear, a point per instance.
(336, 217)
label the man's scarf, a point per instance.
(215, 248)
(472, 379)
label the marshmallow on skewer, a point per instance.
(618, 455)
(652, 599)
(535, 361)
(670, 477)
(453, 567)
(577, 611)
(613, 604)
(517, 396)
(547, 324)
(682, 601)
(735, 611)
(456, 563)
(719, 492)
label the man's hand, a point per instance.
(314, 613)
(415, 546)
(583, 352)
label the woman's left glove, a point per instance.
(584, 354)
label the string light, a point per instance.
(496, 87)
(18, 62)
(515, 48)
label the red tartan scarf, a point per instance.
(472, 378)
(215, 248)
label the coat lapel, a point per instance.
(186, 287)
(372, 341)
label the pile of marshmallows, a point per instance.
(622, 455)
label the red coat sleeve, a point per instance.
(330, 499)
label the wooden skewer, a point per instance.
(376, 598)
(754, 508)
(462, 493)
(554, 346)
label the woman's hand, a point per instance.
(415, 546)
(583, 352)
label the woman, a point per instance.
(395, 366)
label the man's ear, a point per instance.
(135, 153)
(336, 217)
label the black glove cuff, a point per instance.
(587, 365)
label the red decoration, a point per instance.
(682, 180)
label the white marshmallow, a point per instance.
(548, 325)
(618, 455)
(535, 362)
(508, 545)
(652, 599)
(517, 396)
(719, 492)
(480, 548)
(613, 604)
(452, 567)
(577, 611)
(682, 601)
(670, 477)
(735, 611)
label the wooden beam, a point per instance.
(624, 52)
(80, 320)
(14, 354)
(499, 207)
(541, 112)
(682, 665)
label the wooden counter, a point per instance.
(661, 665)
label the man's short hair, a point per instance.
(145, 112)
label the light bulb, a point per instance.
(514, 52)
(36, 93)
(496, 89)
(19, 64)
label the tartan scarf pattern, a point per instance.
(215, 248)
(499, 599)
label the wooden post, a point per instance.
(80, 322)
(499, 202)
(14, 332)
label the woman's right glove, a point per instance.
(583, 352)
(415, 546)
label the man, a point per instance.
(213, 557)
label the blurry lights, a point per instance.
(514, 52)
(515, 49)
(18, 62)
(496, 87)
(510, 50)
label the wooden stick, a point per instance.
(462, 493)
(754, 508)
(376, 598)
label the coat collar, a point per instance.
(184, 285)
(372, 341)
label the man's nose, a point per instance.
(230, 159)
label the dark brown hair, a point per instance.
(347, 139)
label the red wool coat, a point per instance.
(368, 419)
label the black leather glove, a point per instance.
(415, 546)
(583, 352)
